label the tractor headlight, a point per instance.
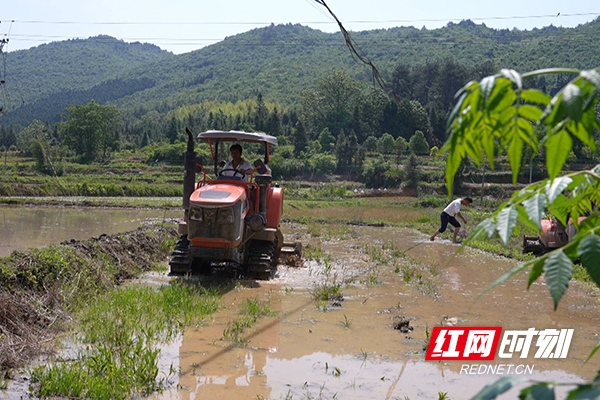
(196, 214)
(225, 215)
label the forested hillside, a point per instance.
(71, 65)
(289, 80)
(279, 61)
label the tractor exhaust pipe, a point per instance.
(189, 174)
(263, 182)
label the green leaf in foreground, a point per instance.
(584, 392)
(535, 207)
(536, 271)
(594, 351)
(572, 101)
(505, 223)
(507, 275)
(558, 270)
(589, 250)
(543, 391)
(497, 388)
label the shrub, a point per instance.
(370, 143)
(386, 144)
(282, 167)
(401, 145)
(418, 144)
(373, 174)
(434, 151)
(322, 164)
(393, 178)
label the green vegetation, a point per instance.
(72, 65)
(252, 310)
(346, 322)
(42, 287)
(121, 357)
(499, 111)
(91, 130)
(327, 292)
(168, 92)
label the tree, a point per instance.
(401, 81)
(299, 139)
(498, 111)
(359, 157)
(332, 104)
(322, 164)
(345, 149)
(327, 140)
(145, 140)
(370, 144)
(261, 115)
(434, 151)
(274, 124)
(400, 147)
(173, 130)
(418, 144)
(411, 173)
(91, 129)
(27, 137)
(386, 144)
(37, 140)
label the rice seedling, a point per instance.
(121, 331)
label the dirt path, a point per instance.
(351, 349)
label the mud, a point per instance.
(353, 350)
(36, 288)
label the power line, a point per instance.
(335, 41)
(562, 15)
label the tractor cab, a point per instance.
(233, 218)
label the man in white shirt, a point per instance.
(449, 216)
(237, 163)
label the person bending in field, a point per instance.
(449, 216)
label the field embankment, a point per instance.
(40, 288)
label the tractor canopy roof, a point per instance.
(237, 136)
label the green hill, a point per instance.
(280, 61)
(76, 64)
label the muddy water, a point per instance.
(303, 352)
(22, 228)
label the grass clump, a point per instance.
(317, 253)
(327, 292)
(250, 313)
(122, 331)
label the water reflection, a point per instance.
(305, 353)
(23, 227)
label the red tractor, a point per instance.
(552, 236)
(233, 219)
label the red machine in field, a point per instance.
(230, 220)
(554, 234)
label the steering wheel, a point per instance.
(234, 170)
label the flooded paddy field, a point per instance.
(349, 349)
(331, 330)
(22, 228)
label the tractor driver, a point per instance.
(237, 163)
